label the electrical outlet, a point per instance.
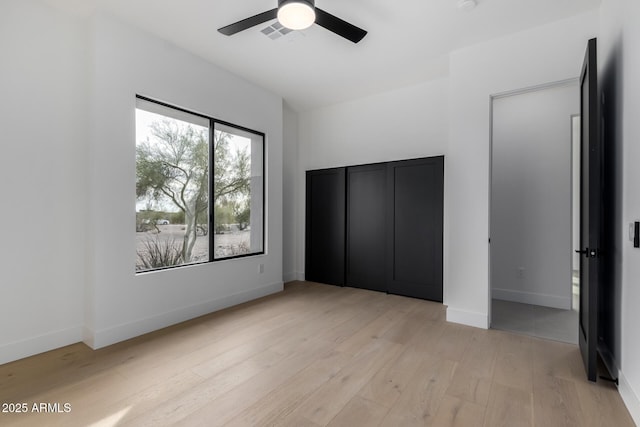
(520, 273)
(261, 268)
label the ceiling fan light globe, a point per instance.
(296, 15)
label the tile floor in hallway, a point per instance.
(535, 320)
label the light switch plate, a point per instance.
(632, 228)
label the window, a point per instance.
(199, 188)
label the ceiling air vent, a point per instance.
(275, 31)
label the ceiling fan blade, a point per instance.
(236, 27)
(338, 26)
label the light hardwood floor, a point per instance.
(315, 355)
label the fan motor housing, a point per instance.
(309, 2)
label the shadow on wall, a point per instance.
(610, 323)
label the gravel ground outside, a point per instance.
(227, 244)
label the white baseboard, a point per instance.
(629, 397)
(88, 336)
(545, 300)
(105, 337)
(35, 345)
(289, 277)
(469, 318)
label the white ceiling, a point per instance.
(408, 40)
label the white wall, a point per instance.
(42, 117)
(127, 62)
(541, 55)
(290, 185)
(406, 123)
(68, 263)
(531, 221)
(619, 78)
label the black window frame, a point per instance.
(211, 229)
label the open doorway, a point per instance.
(534, 216)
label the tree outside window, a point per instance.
(199, 188)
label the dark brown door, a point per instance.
(590, 212)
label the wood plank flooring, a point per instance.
(315, 355)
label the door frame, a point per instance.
(492, 97)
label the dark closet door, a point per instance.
(325, 226)
(416, 228)
(366, 225)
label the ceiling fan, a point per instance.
(298, 15)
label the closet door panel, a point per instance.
(416, 224)
(366, 224)
(325, 226)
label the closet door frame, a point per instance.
(430, 288)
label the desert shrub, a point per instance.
(202, 229)
(176, 217)
(242, 216)
(158, 253)
(240, 249)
